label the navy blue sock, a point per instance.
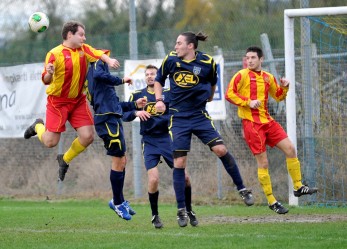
(232, 169)
(117, 181)
(179, 184)
(121, 194)
(188, 195)
(153, 200)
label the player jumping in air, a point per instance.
(108, 111)
(193, 79)
(65, 72)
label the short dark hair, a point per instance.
(255, 49)
(194, 38)
(151, 67)
(71, 26)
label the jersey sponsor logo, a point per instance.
(185, 79)
(150, 108)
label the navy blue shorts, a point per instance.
(199, 123)
(111, 132)
(154, 147)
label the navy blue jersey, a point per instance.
(158, 123)
(190, 81)
(102, 94)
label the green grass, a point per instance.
(91, 224)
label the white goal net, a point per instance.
(316, 60)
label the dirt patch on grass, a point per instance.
(287, 218)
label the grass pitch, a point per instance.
(91, 224)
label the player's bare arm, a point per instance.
(111, 62)
(49, 75)
(158, 90)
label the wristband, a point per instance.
(159, 99)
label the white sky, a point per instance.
(14, 9)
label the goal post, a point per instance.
(289, 15)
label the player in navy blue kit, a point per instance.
(193, 79)
(108, 112)
(156, 143)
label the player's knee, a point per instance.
(90, 138)
(153, 181)
(87, 139)
(291, 152)
(219, 149)
(50, 143)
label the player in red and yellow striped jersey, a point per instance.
(65, 72)
(249, 89)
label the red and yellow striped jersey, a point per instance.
(247, 85)
(70, 69)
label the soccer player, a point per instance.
(65, 72)
(249, 89)
(108, 112)
(156, 143)
(193, 79)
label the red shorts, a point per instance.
(59, 110)
(257, 136)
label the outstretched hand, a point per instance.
(113, 63)
(141, 102)
(127, 80)
(284, 82)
